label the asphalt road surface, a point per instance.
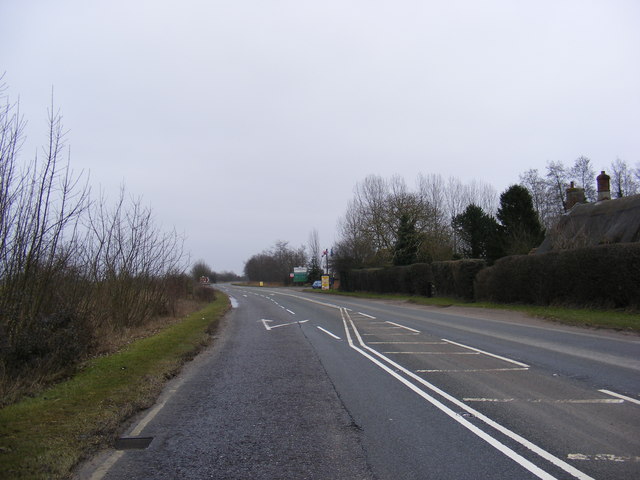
(306, 386)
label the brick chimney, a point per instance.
(574, 195)
(604, 190)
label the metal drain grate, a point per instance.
(132, 443)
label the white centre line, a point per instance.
(329, 333)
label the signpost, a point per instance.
(300, 274)
(325, 282)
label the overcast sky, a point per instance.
(244, 122)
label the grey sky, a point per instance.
(244, 122)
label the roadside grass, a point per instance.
(46, 436)
(587, 317)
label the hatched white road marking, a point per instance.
(624, 397)
(487, 353)
(436, 353)
(544, 400)
(607, 457)
(472, 370)
(406, 328)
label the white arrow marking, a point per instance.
(271, 327)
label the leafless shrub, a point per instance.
(69, 266)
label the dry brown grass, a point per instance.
(111, 340)
(107, 340)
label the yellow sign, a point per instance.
(325, 282)
(262, 284)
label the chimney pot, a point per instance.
(604, 191)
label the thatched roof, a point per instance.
(608, 221)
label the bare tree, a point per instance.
(434, 224)
(314, 246)
(275, 264)
(557, 182)
(582, 172)
(623, 182)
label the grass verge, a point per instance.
(45, 436)
(588, 317)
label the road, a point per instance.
(301, 385)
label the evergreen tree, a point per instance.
(521, 228)
(478, 232)
(408, 241)
(315, 271)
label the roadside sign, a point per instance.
(300, 274)
(325, 282)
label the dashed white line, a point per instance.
(365, 315)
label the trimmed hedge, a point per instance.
(454, 278)
(411, 279)
(600, 276)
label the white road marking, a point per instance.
(608, 457)
(368, 316)
(104, 468)
(487, 353)
(271, 327)
(475, 370)
(402, 326)
(544, 400)
(537, 471)
(495, 443)
(391, 334)
(407, 343)
(329, 333)
(292, 313)
(234, 302)
(436, 353)
(624, 397)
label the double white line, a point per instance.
(370, 354)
